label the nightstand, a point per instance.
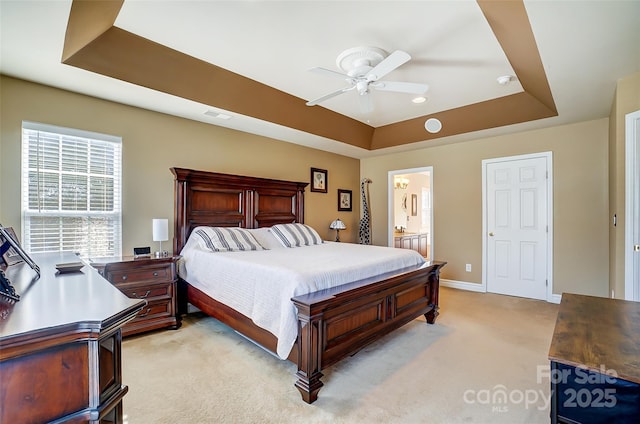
(149, 278)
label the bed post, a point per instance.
(309, 354)
(434, 291)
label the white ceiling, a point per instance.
(585, 46)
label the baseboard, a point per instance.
(462, 285)
(475, 287)
(555, 298)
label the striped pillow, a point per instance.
(295, 235)
(227, 239)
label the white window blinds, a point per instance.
(71, 191)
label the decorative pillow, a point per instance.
(227, 239)
(266, 238)
(295, 235)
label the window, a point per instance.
(71, 190)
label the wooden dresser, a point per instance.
(414, 241)
(595, 361)
(152, 279)
(60, 345)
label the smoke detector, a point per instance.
(506, 79)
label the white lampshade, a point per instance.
(160, 229)
(337, 225)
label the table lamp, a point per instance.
(337, 225)
(160, 233)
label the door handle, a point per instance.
(491, 234)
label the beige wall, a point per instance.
(154, 142)
(626, 100)
(580, 198)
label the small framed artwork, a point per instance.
(414, 205)
(10, 256)
(319, 180)
(7, 239)
(344, 200)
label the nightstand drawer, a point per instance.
(155, 309)
(150, 274)
(146, 291)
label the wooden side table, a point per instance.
(595, 372)
(150, 278)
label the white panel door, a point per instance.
(632, 207)
(516, 202)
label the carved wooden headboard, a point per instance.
(224, 200)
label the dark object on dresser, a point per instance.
(151, 279)
(60, 346)
(7, 291)
(139, 252)
(333, 323)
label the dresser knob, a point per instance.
(155, 274)
(124, 277)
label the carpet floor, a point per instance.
(484, 361)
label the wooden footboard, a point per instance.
(338, 322)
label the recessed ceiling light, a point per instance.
(218, 115)
(433, 125)
(419, 99)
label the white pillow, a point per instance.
(266, 238)
(227, 239)
(295, 235)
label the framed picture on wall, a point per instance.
(414, 205)
(344, 200)
(10, 255)
(9, 241)
(319, 180)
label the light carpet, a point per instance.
(484, 361)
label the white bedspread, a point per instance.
(260, 284)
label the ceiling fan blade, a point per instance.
(330, 73)
(401, 87)
(366, 104)
(387, 65)
(330, 95)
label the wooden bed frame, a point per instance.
(332, 323)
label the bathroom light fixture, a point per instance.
(400, 183)
(337, 225)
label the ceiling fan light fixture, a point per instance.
(364, 66)
(359, 60)
(433, 125)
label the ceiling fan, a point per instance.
(363, 69)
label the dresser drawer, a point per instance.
(140, 274)
(147, 291)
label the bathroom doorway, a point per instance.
(411, 210)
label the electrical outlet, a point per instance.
(468, 268)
